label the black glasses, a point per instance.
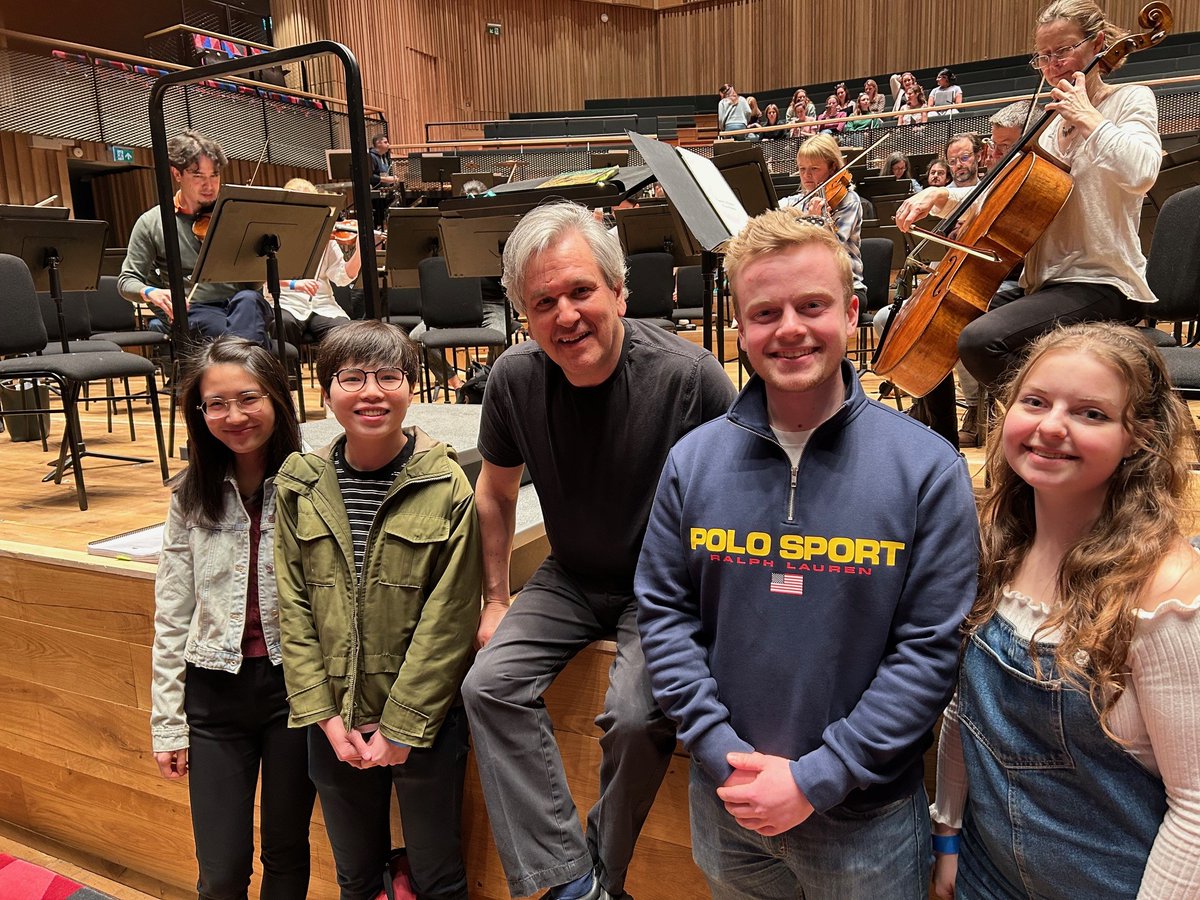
(389, 378)
(1041, 61)
(219, 407)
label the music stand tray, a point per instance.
(412, 235)
(652, 228)
(437, 169)
(474, 246)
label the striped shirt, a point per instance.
(363, 493)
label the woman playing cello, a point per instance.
(1088, 263)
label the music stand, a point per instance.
(339, 165)
(745, 168)
(619, 158)
(474, 246)
(652, 228)
(439, 168)
(255, 230)
(412, 235)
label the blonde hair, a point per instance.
(1101, 577)
(1085, 15)
(777, 231)
(821, 146)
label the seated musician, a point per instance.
(309, 307)
(382, 178)
(214, 309)
(817, 160)
(1088, 264)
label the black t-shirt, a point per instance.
(595, 454)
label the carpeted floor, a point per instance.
(21, 880)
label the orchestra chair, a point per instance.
(1173, 270)
(877, 275)
(23, 341)
(452, 310)
(651, 289)
(689, 295)
(404, 307)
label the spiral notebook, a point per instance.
(141, 545)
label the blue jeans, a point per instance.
(244, 314)
(882, 854)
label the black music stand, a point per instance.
(62, 255)
(474, 246)
(705, 206)
(439, 168)
(412, 235)
(745, 168)
(256, 230)
(652, 228)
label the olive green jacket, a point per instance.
(394, 647)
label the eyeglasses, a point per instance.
(219, 407)
(963, 158)
(389, 378)
(1041, 61)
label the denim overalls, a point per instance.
(1056, 808)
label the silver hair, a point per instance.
(545, 226)
(1012, 116)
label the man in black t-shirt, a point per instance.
(591, 408)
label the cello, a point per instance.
(1025, 191)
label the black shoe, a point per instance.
(595, 892)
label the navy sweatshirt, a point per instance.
(812, 615)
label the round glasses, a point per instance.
(1041, 61)
(389, 378)
(219, 407)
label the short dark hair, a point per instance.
(367, 342)
(949, 75)
(185, 149)
(377, 137)
(976, 142)
(201, 489)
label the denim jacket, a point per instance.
(200, 603)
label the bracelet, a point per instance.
(146, 291)
(292, 284)
(945, 844)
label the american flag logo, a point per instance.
(787, 584)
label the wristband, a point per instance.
(946, 844)
(146, 291)
(292, 284)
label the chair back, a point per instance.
(110, 311)
(24, 330)
(689, 287)
(406, 301)
(877, 271)
(651, 282)
(1173, 266)
(868, 208)
(75, 314)
(448, 302)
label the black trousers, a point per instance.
(238, 724)
(356, 804)
(316, 325)
(994, 344)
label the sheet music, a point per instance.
(717, 189)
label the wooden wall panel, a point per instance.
(767, 44)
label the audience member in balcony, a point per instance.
(862, 108)
(733, 111)
(946, 93)
(878, 101)
(845, 104)
(898, 167)
(938, 173)
(914, 99)
(832, 119)
(900, 85)
(805, 124)
(800, 104)
(309, 307)
(769, 118)
(214, 309)
(219, 710)
(817, 160)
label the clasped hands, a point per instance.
(362, 750)
(762, 795)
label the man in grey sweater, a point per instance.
(213, 309)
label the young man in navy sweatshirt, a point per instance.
(800, 626)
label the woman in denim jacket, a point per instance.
(219, 704)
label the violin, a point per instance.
(345, 232)
(199, 223)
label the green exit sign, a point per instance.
(121, 154)
(493, 28)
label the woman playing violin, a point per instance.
(818, 159)
(1088, 264)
